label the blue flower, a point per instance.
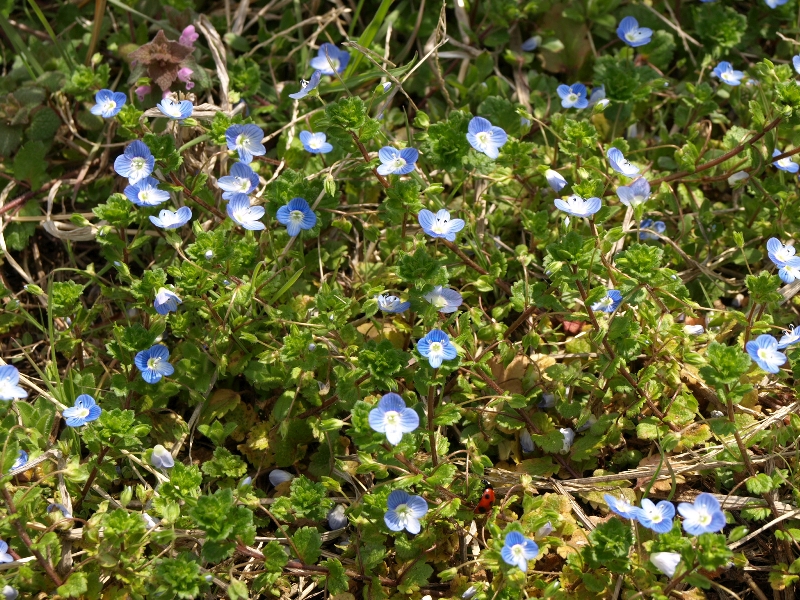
(297, 216)
(161, 458)
(145, 192)
(246, 140)
(9, 593)
(60, 508)
(391, 304)
(609, 303)
(307, 86)
(136, 163)
(404, 511)
(569, 438)
(5, 557)
(337, 519)
(436, 347)
(84, 410)
(573, 96)
(778, 252)
(785, 164)
(667, 562)
(154, 363)
(445, 300)
(704, 516)
(330, 59)
(790, 270)
(439, 225)
(657, 517)
(555, 180)
(726, 74)
(22, 458)
(243, 214)
(526, 442)
(397, 162)
(621, 506)
(168, 219)
(792, 337)
(485, 137)
(796, 63)
(634, 194)
(242, 180)
(694, 329)
(598, 96)
(108, 103)
(578, 207)
(775, 3)
(617, 161)
(174, 109)
(633, 35)
(316, 142)
(657, 226)
(764, 351)
(393, 418)
(166, 301)
(9, 378)
(518, 550)
(531, 43)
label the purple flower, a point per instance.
(188, 36)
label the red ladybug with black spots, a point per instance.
(487, 499)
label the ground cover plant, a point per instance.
(398, 299)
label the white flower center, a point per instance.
(784, 253)
(242, 141)
(727, 76)
(403, 513)
(334, 62)
(439, 301)
(296, 216)
(244, 184)
(109, 105)
(785, 162)
(518, 551)
(655, 516)
(572, 98)
(484, 137)
(144, 195)
(441, 227)
(82, 413)
(137, 163)
(632, 36)
(392, 418)
(398, 163)
(315, 143)
(704, 519)
(152, 363)
(763, 353)
(436, 348)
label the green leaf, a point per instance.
(180, 577)
(308, 543)
(609, 545)
(309, 499)
(337, 580)
(224, 464)
(759, 484)
(30, 163)
(763, 287)
(75, 586)
(726, 364)
(274, 557)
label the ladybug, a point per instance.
(487, 499)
